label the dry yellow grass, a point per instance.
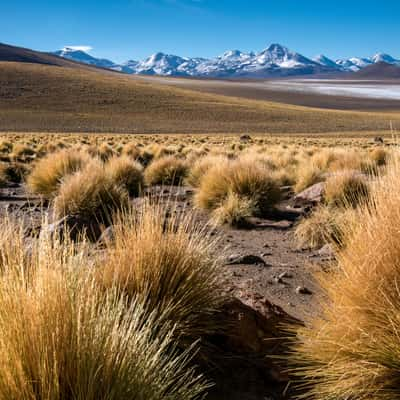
(167, 170)
(61, 337)
(352, 350)
(90, 195)
(243, 178)
(48, 173)
(166, 262)
(201, 166)
(346, 188)
(127, 173)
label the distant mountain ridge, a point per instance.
(274, 61)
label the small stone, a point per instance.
(326, 251)
(303, 290)
(285, 274)
(249, 259)
(268, 253)
(108, 236)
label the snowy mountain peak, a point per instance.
(325, 61)
(383, 57)
(274, 61)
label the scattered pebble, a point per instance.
(303, 290)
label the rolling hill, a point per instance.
(381, 70)
(20, 54)
(40, 95)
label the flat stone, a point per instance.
(249, 259)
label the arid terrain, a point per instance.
(269, 211)
(165, 238)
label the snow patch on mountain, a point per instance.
(276, 60)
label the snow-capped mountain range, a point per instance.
(274, 61)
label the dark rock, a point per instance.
(245, 138)
(378, 139)
(303, 290)
(249, 259)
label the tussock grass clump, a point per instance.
(352, 350)
(48, 173)
(90, 195)
(201, 166)
(64, 338)
(346, 188)
(126, 173)
(323, 226)
(167, 262)
(379, 156)
(308, 174)
(166, 171)
(21, 150)
(253, 183)
(234, 210)
(131, 150)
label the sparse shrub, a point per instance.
(165, 171)
(64, 338)
(126, 173)
(346, 188)
(90, 195)
(167, 262)
(247, 180)
(351, 349)
(49, 172)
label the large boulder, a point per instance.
(255, 336)
(311, 196)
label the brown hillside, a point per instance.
(37, 97)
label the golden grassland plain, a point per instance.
(40, 98)
(130, 311)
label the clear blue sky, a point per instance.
(134, 29)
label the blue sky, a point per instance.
(134, 29)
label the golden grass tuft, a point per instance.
(307, 175)
(90, 195)
(234, 210)
(61, 337)
(132, 150)
(166, 171)
(127, 173)
(167, 262)
(351, 351)
(201, 166)
(48, 173)
(252, 182)
(346, 188)
(323, 226)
